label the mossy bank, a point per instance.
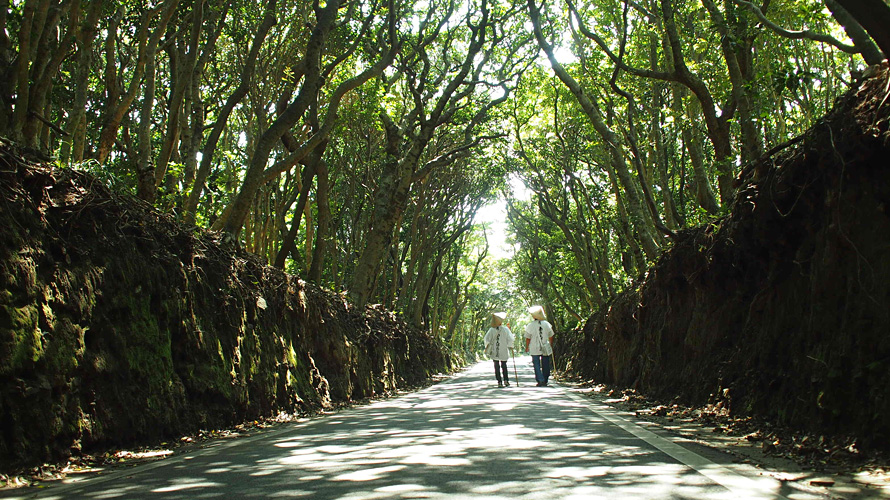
(781, 310)
(119, 326)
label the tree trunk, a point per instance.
(253, 178)
(551, 211)
(672, 217)
(867, 48)
(414, 246)
(193, 123)
(118, 106)
(625, 229)
(7, 73)
(48, 57)
(112, 85)
(452, 324)
(182, 75)
(874, 16)
(642, 228)
(192, 130)
(194, 197)
(316, 268)
(390, 201)
(22, 77)
(72, 148)
(288, 243)
(717, 126)
(424, 286)
(145, 179)
(734, 48)
(704, 193)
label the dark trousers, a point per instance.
(503, 369)
(542, 368)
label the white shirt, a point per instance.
(501, 340)
(539, 331)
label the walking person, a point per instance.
(539, 343)
(498, 345)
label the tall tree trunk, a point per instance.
(455, 317)
(288, 243)
(414, 249)
(734, 48)
(182, 76)
(7, 72)
(390, 201)
(319, 253)
(642, 227)
(193, 123)
(22, 71)
(245, 81)
(424, 286)
(672, 216)
(192, 130)
(73, 147)
(253, 178)
(117, 107)
(717, 125)
(145, 179)
(704, 193)
(50, 51)
(625, 229)
(549, 208)
(660, 162)
(110, 77)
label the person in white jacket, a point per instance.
(498, 345)
(538, 343)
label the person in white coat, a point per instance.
(498, 345)
(538, 343)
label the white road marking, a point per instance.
(743, 486)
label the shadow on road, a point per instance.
(462, 438)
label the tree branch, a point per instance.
(798, 35)
(645, 73)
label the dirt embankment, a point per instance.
(119, 326)
(781, 310)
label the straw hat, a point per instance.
(537, 312)
(500, 315)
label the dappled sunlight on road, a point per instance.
(463, 438)
(497, 441)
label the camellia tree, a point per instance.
(353, 143)
(660, 105)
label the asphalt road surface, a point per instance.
(461, 438)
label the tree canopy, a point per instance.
(353, 142)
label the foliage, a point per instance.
(353, 144)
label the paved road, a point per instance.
(462, 438)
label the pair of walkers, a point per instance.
(538, 342)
